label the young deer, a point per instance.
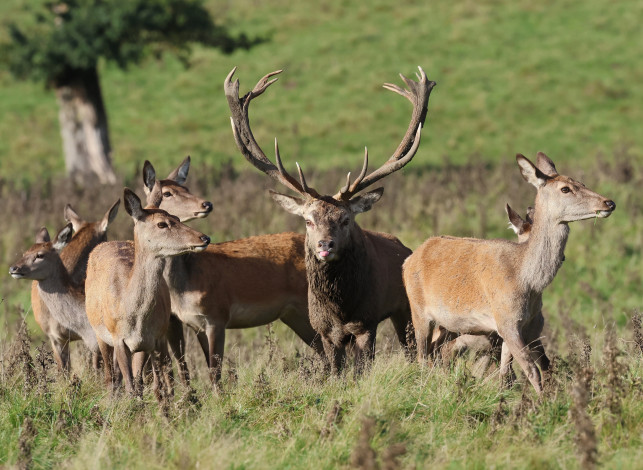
(236, 284)
(63, 298)
(485, 346)
(74, 258)
(128, 303)
(482, 286)
(354, 275)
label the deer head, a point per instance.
(164, 234)
(330, 220)
(176, 198)
(562, 198)
(42, 259)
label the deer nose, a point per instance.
(610, 204)
(205, 239)
(13, 269)
(325, 244)
(207, 205)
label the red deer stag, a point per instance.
(60, 313)
(128, 302)
(237, 284)
(354, 275)
(482, 286)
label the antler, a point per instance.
(418, 94)
(246, 141)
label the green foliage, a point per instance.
(65, 37)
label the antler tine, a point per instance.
(243, 134)
(417, 92)
(349, 189)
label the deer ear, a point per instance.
(72, 216)
(530, 215)
(149, 176)
(133, 204)
(109, 216)
(292, 204)
(365, 202)
(43, 235)
(545, 165)
(180, 174)
(63, 237)
(530, 173)
(515, 221)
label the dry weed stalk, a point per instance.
(333, 418)
(25, 444)
(637, 322)
(20, 358)
(364, 456)
(614, 385)
(585, 440)
(44, 360)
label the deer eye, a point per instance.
(40, 256)
(167, 194)
(161, 225)
(309, 223)
(565, 190)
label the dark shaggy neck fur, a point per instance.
(339, 287)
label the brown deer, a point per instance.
(236, 284)
(180, 202)
(74, 257)
(63, 299)
(487, 347)
(472, 286)
(127, 299)
(354, 275)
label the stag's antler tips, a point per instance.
(229, 76)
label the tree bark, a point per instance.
(83, 126)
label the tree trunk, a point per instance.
(83, 126)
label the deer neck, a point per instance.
(340, 284)
(145, 281)
(59, 282)
(544, 252)
(66, 302)
(176, 271)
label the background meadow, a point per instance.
(560, 77)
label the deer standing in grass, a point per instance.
(476, 286)
(486, 347)
(127, 299)
(176, 200)
(354, 275)
(57, 292)
(236, 284)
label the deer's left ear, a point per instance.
(63, 237)
(530, 173)
(365, 202)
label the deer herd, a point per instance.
(129, 300)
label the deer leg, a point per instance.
(365, 350)
(216, 344)
(423, 338)
(176, 341)
(300, 324)
(124, 358)
(108, 360)
(405, 333)
(140, 361)
(334, 354)
(61, 353)
(203, 342)
(520, 351)
(96, 359)
(532, 335)
(507, 375)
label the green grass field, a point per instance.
(560, 77)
